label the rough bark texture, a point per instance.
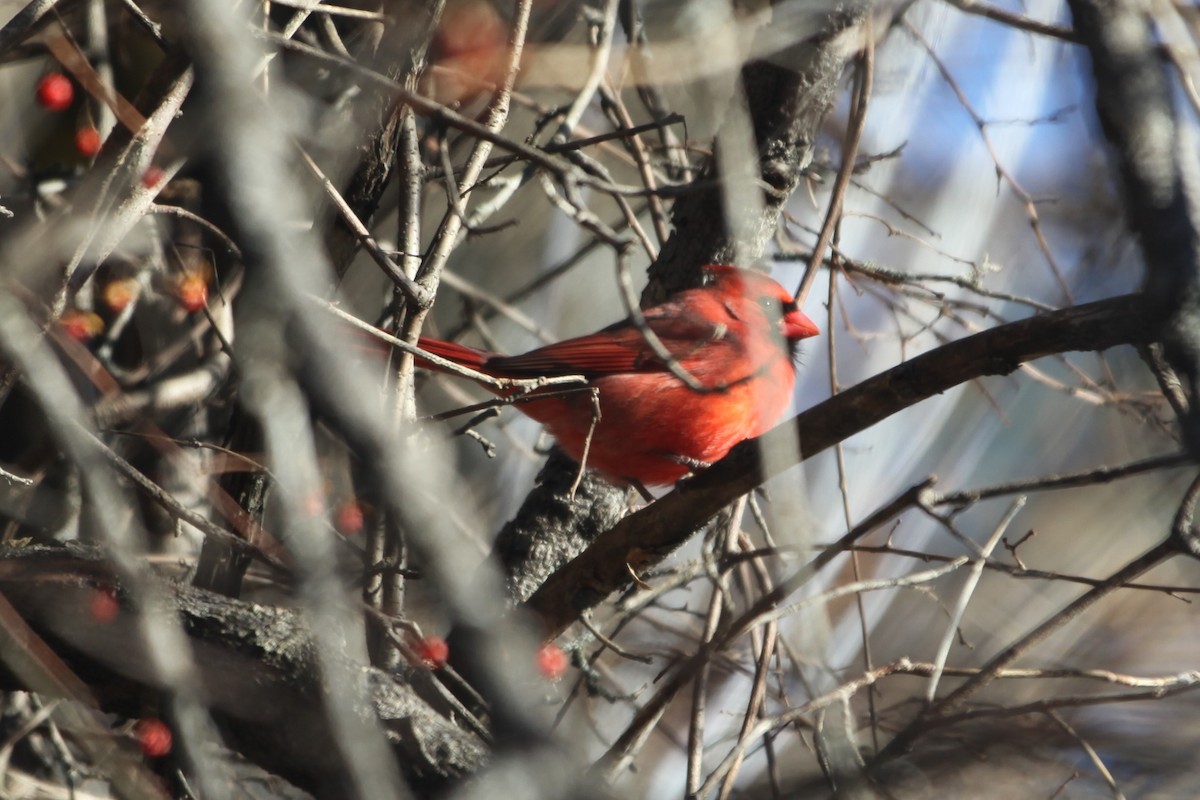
(1160, 176)
(257, 667)
(787, 106)
(525, 551)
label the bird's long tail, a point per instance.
(460, 354)
(451, 351)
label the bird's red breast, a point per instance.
(736, 336)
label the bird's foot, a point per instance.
(691, 463)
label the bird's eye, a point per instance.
(772, 306)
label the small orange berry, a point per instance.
(154, 737)
(82, 326)
(192, 290)
(432, 651)
(152, 176)
(349, 518)
(103, 606)
(55, 92)
(117, 294)
(551, 661)
(313, 504)
(87, 141)
(472, 39)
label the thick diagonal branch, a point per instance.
(645, 538)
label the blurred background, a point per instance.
(982, 192)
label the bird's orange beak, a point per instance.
(797, 325)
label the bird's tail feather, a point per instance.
(452, 351)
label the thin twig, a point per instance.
(1002, 172)
(758, 614)
(1091, 477)
(858, 121)
(416, 294)
(964, 597)
(1018, 21)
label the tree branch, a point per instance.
(1159, 168)
(645, 538)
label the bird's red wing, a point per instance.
(594, 355)
(619, 348)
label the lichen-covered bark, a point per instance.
(257, 666)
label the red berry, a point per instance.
(103, 606)
(81, 326)
(313, 504)
(193, 291)
(55, 92)
(117, 294)
(432, 651)
(551, 661)
(154, 736)
(472, 41)
(152, 176)
(349, 518)
(87, 141)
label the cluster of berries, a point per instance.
(432, 652)
(56, 93)
(190, 291)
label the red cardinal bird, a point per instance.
(736, 336)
